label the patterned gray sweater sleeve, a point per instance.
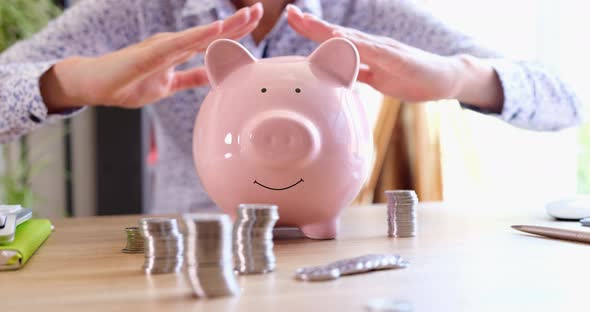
(534, 97)
(92, 27)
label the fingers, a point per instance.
(295, 19)
(375, 51)
(241, 33)
(319, 31)
(234, 36)
(242, 18)
(350, 34)
(198, 38)
(237, 26)
(164, 52)
(369, 50)
(372, 52)
(187, 79)
(186, 40)
(182, 58)
(255, 16)
(167, 50)
(308, 25)
(365, 75)
(245, 30)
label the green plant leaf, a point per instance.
(20, 19)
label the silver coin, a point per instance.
(400, 192)
(388, 305)
(209, 255)
(163, 245)
(162, 226)
(351, 266)
(317, 274)
(401, 213)
(367, 263)
(253, 238)
(213, 281)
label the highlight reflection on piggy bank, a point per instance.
(286, 130)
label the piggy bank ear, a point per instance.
(338, 58)
(224, 56)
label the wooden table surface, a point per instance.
(465, 258)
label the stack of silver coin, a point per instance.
(401, 213)
(252, 236)
(388, 305)
(209, 255)
(134, 240)
(163, 244)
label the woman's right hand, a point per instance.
(142, 73)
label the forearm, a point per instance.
(21, 104)
(61, 88)
(524, 94)
(27, 71)
(479, 84)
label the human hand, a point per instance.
(142, 73)
(401, 71)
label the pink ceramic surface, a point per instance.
(285, 130)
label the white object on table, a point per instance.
(574, 208)
(10, 217)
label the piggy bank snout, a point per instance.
(282, 139)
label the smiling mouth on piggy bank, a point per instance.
(279, 189)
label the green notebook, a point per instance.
(29, 236)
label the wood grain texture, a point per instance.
(423, 146)
(413, 158)
(465, 258)
(396, 173)
(383, 131)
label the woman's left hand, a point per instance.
(404, 72)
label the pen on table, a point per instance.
(571, 235)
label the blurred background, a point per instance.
(82, 167)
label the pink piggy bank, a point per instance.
(287, 131)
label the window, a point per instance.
(503, 161)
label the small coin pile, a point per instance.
(134, 241)
(252, 238)
(164, 245)
(401, 213)
(388, 305)
(209, 255)
(351, 266)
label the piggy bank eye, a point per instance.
(298, 90)
(263, 90)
